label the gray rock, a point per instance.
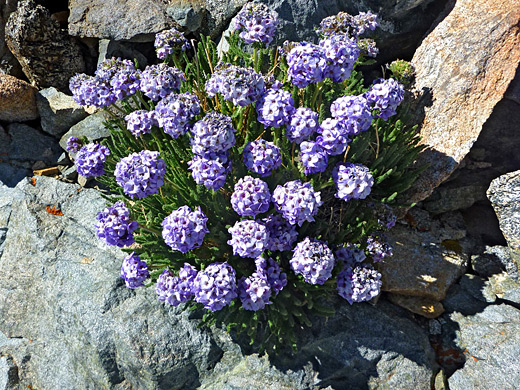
(8, 64)
(478, 72)
(91, 127)
(505, 287)
(118, 49)
(421, 265)
(504, 194)
(492, 341)
(493, 261)
(49, 57)
(58, 111)
(446, 199)
(17, 100)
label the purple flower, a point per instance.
(378, 248)
(123, 77)
(175, 290)
(271, 269)
(313, 157)
(90, 159)
(134, 271)
(176, 111)
(282, 234)
(385, 216)
(210, 170)
(368, 47)
(275, 107)
(140, 174)
(114, 225)
(341, 52)
(251, 197)
(353, 112)
(74, 144)
(384, 96)
(212, 134)
(297, 202)
(350, 254)
(313, 260)
(360, 284)
(184, 230)
(254, 291)
(262, 157)
(257, 22)
(158, 81)
(167, 41)
(364, 21)
(215, 287)
(303, 124)
(353, 181)
(334, 137)
(248, 238)
(140, 122)
(336, 25)
(307, 64)
(91, 91)
(242, 86)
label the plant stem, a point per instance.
(150, 230)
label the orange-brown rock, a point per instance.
(463, 68)
(17, 100)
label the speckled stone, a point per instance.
(17, 100)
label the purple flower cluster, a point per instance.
(248, 238)
(167, 41)
(368, 47)
(74, 144)
(254, 291)
(360, 284)
(242, 86)
(140, 174)
(364, 21)
(378, 248)
(251, 197)
(91, 91)
(216, 286)
(314, 260)
(114, 225)
(158, 81)
(350, 254)
(123, 77)
(313, 156)
(175, 112)
(184, 230)
(90, 159)
(210, 170)
(275, 277)
(257, 22)
(354, 113)
(175, 290)
(307, 64)
(385, 216)
(140, 122)
(353, 181)
(384, 96)
(341, 52)
(262, 157)
(303, 124)
(276, 107)
(344, 23)
(282, 234)
(134, 271)
(334, 136)
(212, 134)
(297, 202)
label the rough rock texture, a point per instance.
(141, 19)
(504, 194)
(75, 325)
(91, 127)
(49, 57)
(17, 100)
(492, 341)
(58, 111)
(505, 287)
(421, 266)
(21, 147)
(8, 64)
(428, 308)
(463, 68)
(493, 261)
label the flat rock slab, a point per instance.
(504, 194)
(491, 340)
(463, 68)
(420, 266)
(17, 100)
